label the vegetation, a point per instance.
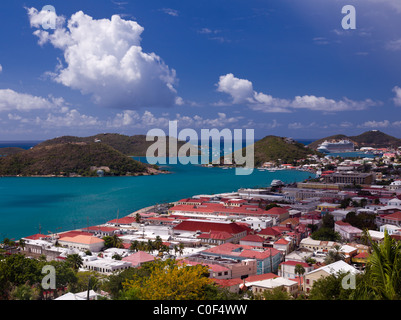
(70, 158)
(128, 145)
(169, 280)
(9, 151)
(361, 220)
(272, 148)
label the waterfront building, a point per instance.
(83, 243)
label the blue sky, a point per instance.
(283, 67)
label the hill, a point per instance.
(376, 138)
(64, 159)
(273, 148)
(128, 145)
(10, 150)
(373, 138)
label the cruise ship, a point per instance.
(338, 146)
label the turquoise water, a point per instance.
(355, 154)
(30, 205)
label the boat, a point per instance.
(276, 183)
(336, 146)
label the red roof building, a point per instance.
(268, 259)
(206, 226)
(253, 240)
(218, 209)
(139, 258)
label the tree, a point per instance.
(331, 288)
(300, 271)
(326, 234)
(169, 280)
(137, 218)
(382, 279)
(25, 292)
(328, 221)
(334, 255)
(113, 241)
(134, 245)
(74, 261)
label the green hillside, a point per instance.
(274, 149)
(67, 158)
(128, 145)
(376, 138)
(9, 150)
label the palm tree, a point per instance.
(181, 248)
(134, 245)
(383, 270)
(75, 261)
(300, 271)
(137, 218)
(150, 246)
(21, 243)
(158, 243)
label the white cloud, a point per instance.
(104, 59)
(11, 100)
(397, 98)
(241, 92)
(71, 118)
(375, 124)
(131, 118)
(394, 45)
(1, 68)
(170, 12)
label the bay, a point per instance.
(30, 205)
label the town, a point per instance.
(253, 242)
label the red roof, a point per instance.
(36, 236)
(342, 223)
(281, 241)
(217, 235)
(277, 211)
(123, 220)
(253, 238)
(294, 263)
(362, 255)
(74, 233)
(396, 216)
(208, 226)
(270, 231)
(219, 208)
(244, 251)
(100, 228)
(228, 282)
(260, 277)
(139, 257)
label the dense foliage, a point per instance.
(68, 158)
(272, 148)
(128, 145)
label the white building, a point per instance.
(258, 287)
(390, 229)
(106, 266)
(82, 242)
